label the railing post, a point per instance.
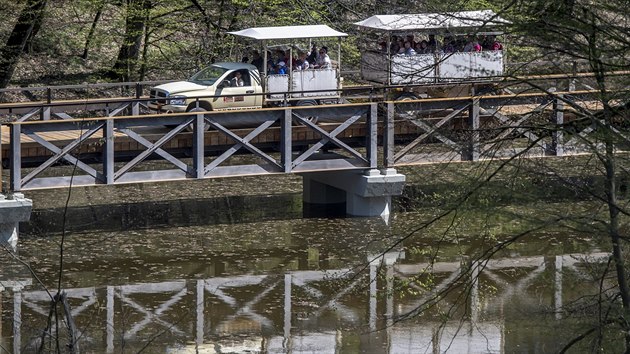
(108, 151)
(138, 90)
(388, 137)
(573, 76)
(557, 118)
(135, 105)
(46, 109)
(198, 146)
(1, 181)
(16, 158)
(285, 141)
(471, 152)
(372, 138)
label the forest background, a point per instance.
(55, 42)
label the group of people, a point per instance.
(279, 62)
(408, 46)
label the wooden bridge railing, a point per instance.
(102, 137)
(487, 127)
(459, 128)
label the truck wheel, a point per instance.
(191, 126)
(408, 110)
(305, 103)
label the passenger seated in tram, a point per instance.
(323, 60)
(411, 39)
(257, 60)
(432, 43)
(449, 45)
(408, 49)
(281, 68)
(394, 46)
(496, 45)
(401, 46)
(491, 43)
(301, 63)
(472, 45)
(312, 55)
(422, 47)
(382, 47)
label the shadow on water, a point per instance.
(169, 213)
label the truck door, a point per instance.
(233, 95)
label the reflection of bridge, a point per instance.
(214, 313)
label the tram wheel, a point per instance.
(306, 103)
(407, 110)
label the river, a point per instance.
(298, 285)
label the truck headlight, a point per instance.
(177, 100)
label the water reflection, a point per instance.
(303, 286)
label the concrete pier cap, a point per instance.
(14, 208)
(365, 192)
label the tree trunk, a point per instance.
(29, 19)
(90, 35)
(129, 53)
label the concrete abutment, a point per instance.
(364, 193)
(14, 208)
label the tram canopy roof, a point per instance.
(289, 32)
(434, 21)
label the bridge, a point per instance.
(346, 153)
(206, 313)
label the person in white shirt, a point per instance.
(302, 62)
(323, 60)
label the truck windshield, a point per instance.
(208, 76)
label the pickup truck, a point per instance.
(301, 88)
(215, 80)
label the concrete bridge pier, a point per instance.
(14, 208)
(364, 193)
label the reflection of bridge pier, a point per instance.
(16, 287)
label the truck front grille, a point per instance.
(158, 96)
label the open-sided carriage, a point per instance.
(311, 85)
(443, 62)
